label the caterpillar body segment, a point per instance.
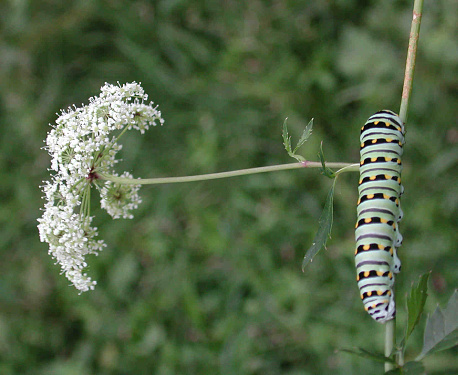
(379, 212)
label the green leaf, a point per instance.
(325, 170)
(286, 138)
(415, 304)
(305, 135)
(410, 368)
(413, 368)
(360, 352)
(441, 331)
(396, 371)
(324, 229)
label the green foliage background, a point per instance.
(207, 278)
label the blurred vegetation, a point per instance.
(207, 278)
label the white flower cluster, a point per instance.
(83, 146)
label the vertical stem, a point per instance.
(390, 327)
(390, 341)
(410, 61)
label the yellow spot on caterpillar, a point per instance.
(362, 145)
(379, 292)
(374, 141)
(386, 196)
(389, 292)
(376, 122)
(367, 220)
(387, 159)
(399, 162)
(356, 252)
(359, 201)
(369, 294)
(374, 306)
(380, 247)
(394, 226)
(373, 159)
(387, 177)
(387, 124)
(372, 178)
(357, 278)
(384, 221)
(379, 273)
(366, 273)
(370, 196)
(400, 144)
(366, 308)
(391, 251)
(362, 297)
(366, 247)
(390, 275)
(389, 140)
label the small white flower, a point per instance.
(83, 146)
(119, 199)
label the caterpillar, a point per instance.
(379, 212)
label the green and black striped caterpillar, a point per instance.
(379, 211)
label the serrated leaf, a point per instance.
(415, 304)
(360, 352)
(324, 229)
(286, 138)
(325, 170)
(305, 135)
(410, 368)
(441, 331)
(287, 143)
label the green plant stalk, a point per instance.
(390, 327)
(213, 176)
(347, 168)
(390, 338)
(411, 56)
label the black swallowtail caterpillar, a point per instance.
(379, 211)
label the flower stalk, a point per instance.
(347, 167)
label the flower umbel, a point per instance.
(83, 146)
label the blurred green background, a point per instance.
(206, 279)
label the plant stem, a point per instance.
(390, 327)
(347, 168)
(390, 340)
(411, 56)
(212, 176)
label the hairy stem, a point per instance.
(213, 176)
